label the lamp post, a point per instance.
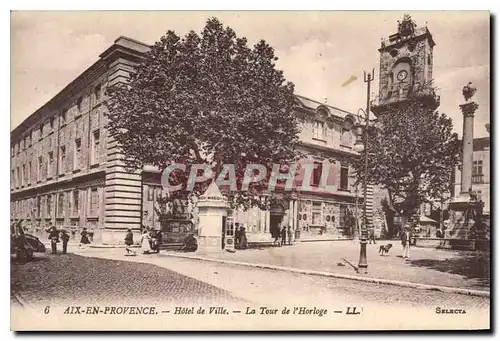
(363, 264)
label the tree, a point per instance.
(412, 153)
(206, 99)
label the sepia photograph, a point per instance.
(250, 171)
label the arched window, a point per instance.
(346, 139)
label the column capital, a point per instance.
(468, 109)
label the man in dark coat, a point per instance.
(283, 235)
(65, 240)
(159, 239)
(54, 238)
(129, 241)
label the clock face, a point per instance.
(402, 75)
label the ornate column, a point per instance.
(468, 111)
(461, 206)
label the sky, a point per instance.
(318, 51)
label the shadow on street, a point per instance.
(468, 264)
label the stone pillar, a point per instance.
(212, 207)
(460, 223)
(267, 225)
(468, 137)
(295, 221)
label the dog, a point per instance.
(384, 249)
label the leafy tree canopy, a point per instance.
(205, 98)
(412, 153)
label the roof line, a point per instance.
(327, 105)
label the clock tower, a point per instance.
(406, 68)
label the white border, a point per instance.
(181, 5)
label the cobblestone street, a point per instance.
(66, 279)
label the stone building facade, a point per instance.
(67, 171)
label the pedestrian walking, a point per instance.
(153, 242)
(237, 234)
(275, 233)
(54, 238)
(129, 241)
(65, 240)
(372, 236)
(242, 242)
(85, 237)
(283, 235)
(145, 242)
(289, 233)
(159, 239)
(405, 241)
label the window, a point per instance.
(78, 154)
(317, 173)
(95, 148)
(94, 202)
(12, 179)
(97, 93)
(342, 215)
(41, 130)
(346, 138)
(63, 116)
(38, 207)
(40, 169)
(79, 104)
(76, 203)
(50, 165)
(29, 172)
(344, 177)
(477, 172)
(18, 182)
(23, 176)
(30, 137)
(319, 131)
(51, 123)
(49, 205)
(62, 160)
(68, 196)
(60, 205)
(316, 213)
(478, 194)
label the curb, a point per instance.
(445, 289)
(19, 298)
(97, 246)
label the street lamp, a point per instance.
(368, 78)
(359, 146)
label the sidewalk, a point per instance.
(459, 269)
